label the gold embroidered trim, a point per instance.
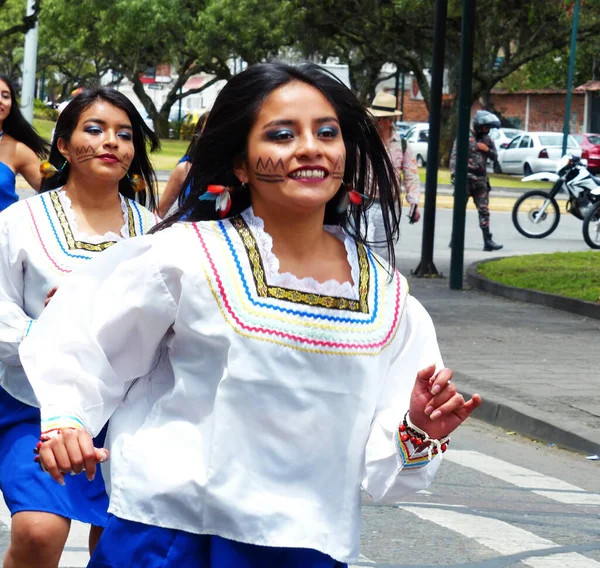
(74, 244)
(331, 302)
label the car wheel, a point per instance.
(527, 169)
(420, 161)
(497, 168)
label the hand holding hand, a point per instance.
(72, 450)
(483, 147)
(435, 405)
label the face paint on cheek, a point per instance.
(269, 171)
(126, 161)
(338, 168)
(84, 154)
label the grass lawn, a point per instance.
(166, 159)
(573, 274)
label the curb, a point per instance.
(532, 422)
(578, 307)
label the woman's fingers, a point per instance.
(438, 400)
(89, 454)
(440, 381)
(455, 403)
(46, 457)
(71, 442)
(71, 451)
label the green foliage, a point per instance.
(11, 43)
(44, 127)
(41, 111)
(572, 274)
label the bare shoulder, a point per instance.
(24, 155)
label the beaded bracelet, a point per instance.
(408, 431)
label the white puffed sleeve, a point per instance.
(101, 331)
(389, 474)
(14, 322)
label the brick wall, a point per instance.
(546, 110)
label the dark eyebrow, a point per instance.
(288, 122)
(103, 122)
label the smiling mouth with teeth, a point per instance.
(308, 174)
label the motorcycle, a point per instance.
(591, 222)
(536, 214)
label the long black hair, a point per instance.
(196, 136)
(143, 138)
(16, 126)
(223, 143)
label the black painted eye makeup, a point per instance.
(328, 131)
(285, 134)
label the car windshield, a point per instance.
(555, 140)
(594, 139)
(510, 134)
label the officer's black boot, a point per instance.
(488, 242)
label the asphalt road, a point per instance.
(498, 501)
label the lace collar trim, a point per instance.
(309, 285)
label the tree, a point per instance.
(130, 36)
(14, 24)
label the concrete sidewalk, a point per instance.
(536, 368)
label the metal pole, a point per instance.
(43, 88)
(402, 96)
(29, 63)
(462, 144)
(180, 91)
(426, 266)
(397, 86)
(567, 124)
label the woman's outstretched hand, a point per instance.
(72, 450)
(435, 405)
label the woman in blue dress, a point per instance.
(178, 175)
(20, 147)
(97, 161)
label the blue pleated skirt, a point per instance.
(127, 543)
(25, 487)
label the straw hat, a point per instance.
(384, 105)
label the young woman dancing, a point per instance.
(258, 363)
(97, 160)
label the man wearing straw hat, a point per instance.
(384, 110)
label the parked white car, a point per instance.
(533, 152)
(418, 137)
(504, 135)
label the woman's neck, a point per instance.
(92, 195)
(295, 234)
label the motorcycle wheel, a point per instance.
(525, 214)
(591, 227)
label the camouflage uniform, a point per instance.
(478, 185)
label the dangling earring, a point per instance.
(48, 170)
(221, 195)
(351, 196)
(137, 182)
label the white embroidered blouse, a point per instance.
(262, 404)
(40, 245)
